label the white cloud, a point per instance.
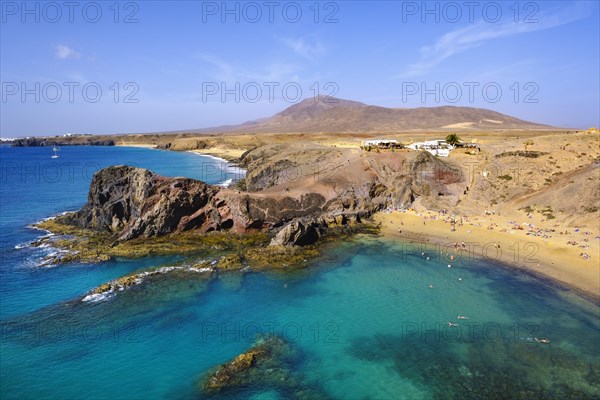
(227, 72)
(274, 72)
(474, 35)
(224, 70)
(304, 49)
(63, 52)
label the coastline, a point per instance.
(550, 258)
(142, 145)
(219, 159)
(226, 156)
(231, 168)
(229, 155)
(217, 155)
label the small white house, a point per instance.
(436, 147)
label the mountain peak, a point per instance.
(314, 106)
(324, 113)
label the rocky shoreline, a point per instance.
(62, 141)
(128, 203)
(277, 223)
(133, 212)
(287, 205)
(294, 193)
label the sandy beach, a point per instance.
(142, 145)
(527, 242)
(226, 154)
(221, 152)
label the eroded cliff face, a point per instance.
(130, 202)
(351, 179)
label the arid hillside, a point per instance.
(557, 178)
(330, 114)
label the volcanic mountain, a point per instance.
(330, 114)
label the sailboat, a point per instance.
(55, 149)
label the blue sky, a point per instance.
(181, 65)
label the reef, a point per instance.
(269, 365)
(489, 369)
(86, 245)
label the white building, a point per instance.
(436, 147)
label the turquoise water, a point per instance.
(362, 318)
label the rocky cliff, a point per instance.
(131, 202)
(285, 199)
(350, 179)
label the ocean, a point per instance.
(372, 318)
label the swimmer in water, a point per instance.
(544, 341)
(451, 324)
(430, 286)
(462, 317)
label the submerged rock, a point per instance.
(502, 368)
(107, 290)
(282, 257)
(231, 262)
(86, 245)
(269, 365)
(263, 362)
